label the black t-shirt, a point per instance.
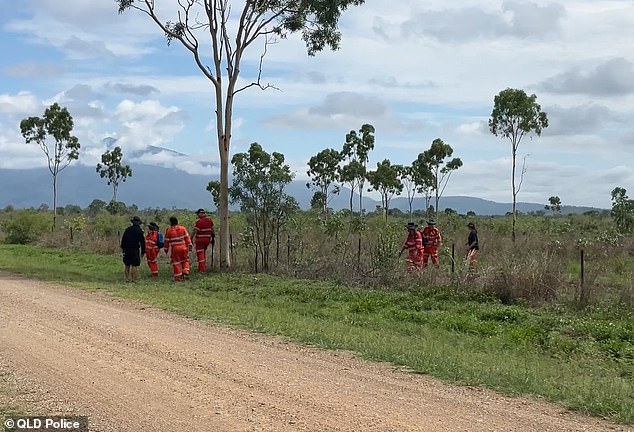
(473, 240)
(133, 239)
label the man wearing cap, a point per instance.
(203, 236)
(432, 241)
(152, 248)
(133, 248)
(472, 245)
(414, 246)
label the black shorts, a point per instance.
(132, 257)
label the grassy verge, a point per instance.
(584, 361)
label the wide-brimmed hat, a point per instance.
(200, 210)
(411, 225)
(153, 226)
(431, 222)
(135, 220)
(471, 225)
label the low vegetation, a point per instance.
(582, 359)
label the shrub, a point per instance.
(25, 227)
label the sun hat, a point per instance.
(431, 222)
(200, 210)
(471, 225)
(135, 220)
(411, 225)
(153, 226)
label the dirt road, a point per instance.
(133, 368)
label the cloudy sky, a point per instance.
(415, 69)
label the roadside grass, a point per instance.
(582, 360)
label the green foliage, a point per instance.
(109, 224)
(95, 207)
(25, 226)
(386, 180)
(356, 150)
(195, 21)
(323, 172)
(259, 179)
(622, 210)
(554, 204)
(58, 124)
(113, 170)
(116, 208)
(582, 360)
(214, 188)
(432, 167)
(515, 115)
(334, 225)
(76, 224)
(385, 256)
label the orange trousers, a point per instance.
(152, 260)
(201, 253)
(180, 262)
(430, 252)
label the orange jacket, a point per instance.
(175, 236)
(432, 237)
(204, 229)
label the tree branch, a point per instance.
(519, 186)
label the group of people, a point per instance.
(176, 242)
(423, 246)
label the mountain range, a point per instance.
(154, 186)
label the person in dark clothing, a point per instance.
(472, 245)
(133, 247)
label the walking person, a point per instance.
(133, 248)
(432, 242)
(177, 240)
(472, 246)
(204, 235)
(153, 244)
(414, 246)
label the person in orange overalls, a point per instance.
(414, 246)
(177, 239)
(203, 236)
(432, 241)
(152, 248)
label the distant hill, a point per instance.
(153, 186)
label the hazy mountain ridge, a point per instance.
(153, 186)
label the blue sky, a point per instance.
(423, 70)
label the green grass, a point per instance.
(584, 361)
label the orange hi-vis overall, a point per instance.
(432, 241)
(203, 231)
(151, 252)
(177, 238)
(414, 246)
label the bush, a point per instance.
(25, 227)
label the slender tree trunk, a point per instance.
(223, 122)
(223, 203)
(386, 205)
(351, 197)
(54, 201)
(114, 192)
(361, 198)
(514, 194)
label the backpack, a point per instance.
(160, 241)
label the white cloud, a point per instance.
(23, 103)
(147, 123)
(118, 79)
